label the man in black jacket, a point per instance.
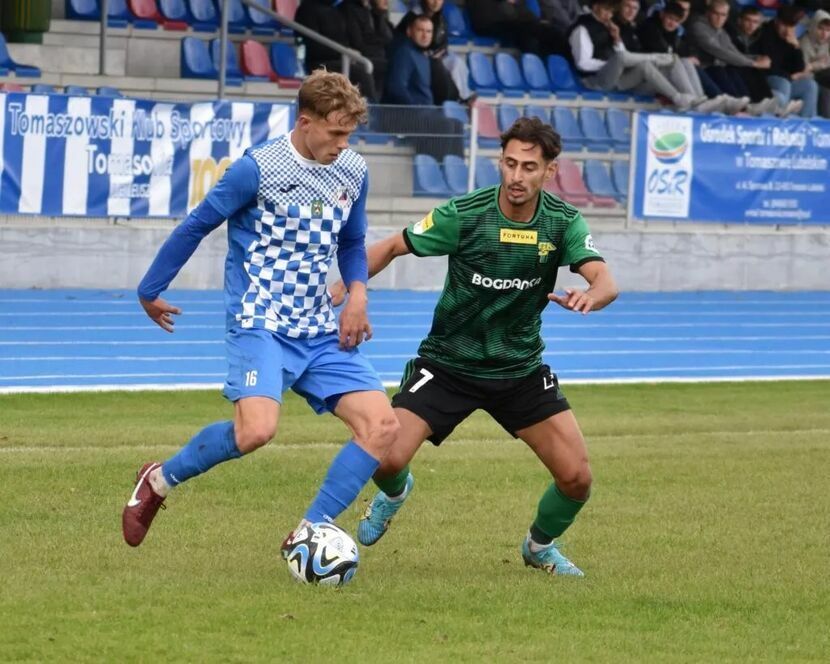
(370, 35)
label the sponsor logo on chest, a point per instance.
(516, 236)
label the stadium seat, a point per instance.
(237, 18)
(11, 87)
(594, 129)
(486, 172)
(573, 186)
(619, 128)
(90, 10)
(456, 26)
(566, 125)
(599, 181)
(533, 6)
(255, 61)
(619, 176)
(456, 174)
(204, 15)
(233, 74)
(509, 76)
(564, 83)
(174, 14)
(146, 13)
(286, 8)
(455, 111)
(508, 114)
(429, 181)
(398, 6)
(488, 127)
(284, 62)
(482, 76)
(534, 110)
(537, 79)
(108, 91)
(43, 89)
(76, 90)
(261, 23)
(7, 64)
(195, 59)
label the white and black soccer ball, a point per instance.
(322, 553)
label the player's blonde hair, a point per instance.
(325, 92)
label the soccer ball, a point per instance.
(322, 553)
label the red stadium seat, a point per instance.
(145, 10)
(255, 60)
(573, 186)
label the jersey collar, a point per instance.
(518, 224)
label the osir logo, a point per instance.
(669, 148)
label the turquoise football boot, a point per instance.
(379, 513)
(549, 559)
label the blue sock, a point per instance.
(347, 475)
(212, 445)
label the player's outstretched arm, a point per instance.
(601, 291)
(378, 257)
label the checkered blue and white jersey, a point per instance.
(287, 218)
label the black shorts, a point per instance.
(444, 399)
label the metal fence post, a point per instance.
(102, 45)
(223, 48)
(471, 170)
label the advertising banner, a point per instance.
(104, 157)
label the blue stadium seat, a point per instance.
(568, 128)
(284, 61)
(598, 180)
(508, 114)
(537, 79)
(398, 6)
(76, 90)
(204, 15)
(619, 127)
(534, 110)
(90, 10)
(108, 91)
(43, 89)
(456, 174)
(509, 76)
(564, 83)
(195, 59)
(237, 17)
(594, 129)
(429, 181)
(486, 173)
(7, 64)
(174, 13)
(619, 175)
(533, 6)
(261, 23)
(233, 74)
(456, 25)
(482, 76)
(455, 111)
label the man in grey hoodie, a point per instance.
(815, 43)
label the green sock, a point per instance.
(393, 485)
(556, 512)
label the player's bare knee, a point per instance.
(251, 436)
(577, 483)
(378, 435)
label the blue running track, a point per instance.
(66, 340)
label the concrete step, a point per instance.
(67, 59)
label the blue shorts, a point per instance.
(265, 364)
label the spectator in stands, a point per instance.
(560, 15)
(450, 74)
(327, 18)
(408, 83)
(369, 35)
(788, 76)
(737, 74)
(602, 59)
(815, 44)
(746, 32)
(510, 20)
(660, 33)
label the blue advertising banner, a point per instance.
(730, 170)
(103, 157)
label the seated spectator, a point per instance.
(815, 44)
(512, 21)
(788, 75)
(660, 33)
(737, 74)
(408, 83)
(601, 58)
(370, 33)
(450, 74)
(560, 15)
(325, 17)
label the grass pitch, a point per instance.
(706, 539)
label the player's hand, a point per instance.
(354, 323)
(161, 313)
(574, 299)
(338, 293)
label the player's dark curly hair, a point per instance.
(533, 130)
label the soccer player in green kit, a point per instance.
(505, 245)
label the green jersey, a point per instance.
(488, 320)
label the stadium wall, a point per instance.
(35, 253)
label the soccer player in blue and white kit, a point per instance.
(291, 204)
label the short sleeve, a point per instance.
(579, 245)
(436, 234)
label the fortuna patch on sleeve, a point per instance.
(513, 236)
